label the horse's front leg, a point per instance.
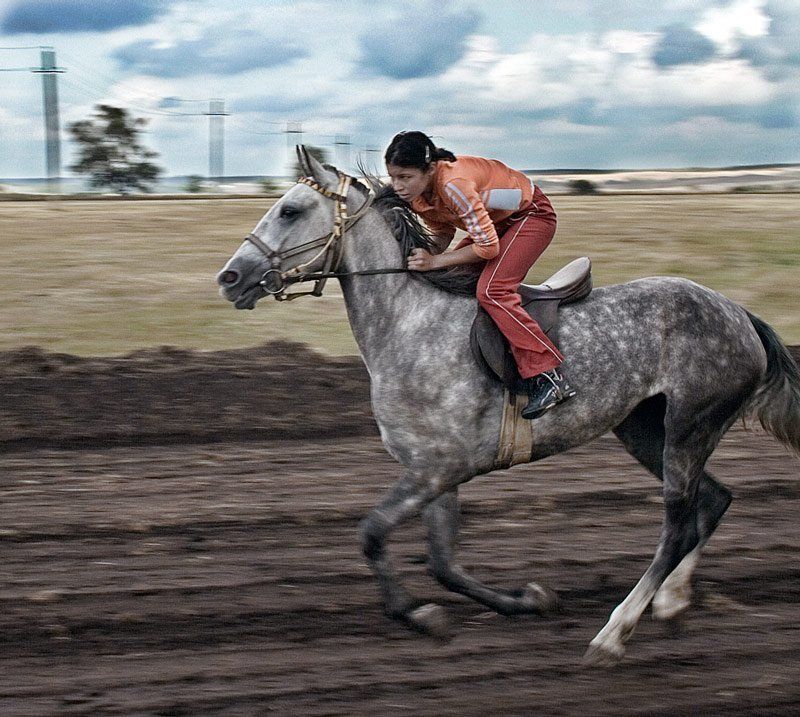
(442, 518)
(407, 498)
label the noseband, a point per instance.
(274, 281)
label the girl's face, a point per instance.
(409, 182)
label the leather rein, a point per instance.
(274, 281)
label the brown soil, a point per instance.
(179, 576)
(168, 395)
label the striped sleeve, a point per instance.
(463, 198)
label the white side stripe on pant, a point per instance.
(498, 304)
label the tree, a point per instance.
(316, 152)
(110, 152)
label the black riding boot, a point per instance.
(546, 391)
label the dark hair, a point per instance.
(415, 149)
(411, 234)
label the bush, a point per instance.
(194, 184)
(269, 186)
(582, 186)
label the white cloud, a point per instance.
(574, 83)
(626, 42)
(548, 72)
(552, 72)
(719, 82)
(565, 128)
(727, 25)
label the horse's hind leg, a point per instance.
(442, 518)
(642, 434)
(674, 595)
(688, 443)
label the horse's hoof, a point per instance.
(607, 654)
(670, 612)
(670, 605)
(540, 599)
(430, 619)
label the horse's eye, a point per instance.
(289, 212)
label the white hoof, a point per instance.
(603, 653)
(430, 619)
(541, 600)
(668, 605)
(675, 594)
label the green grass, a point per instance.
(107, 277)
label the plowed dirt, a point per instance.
(195, 552)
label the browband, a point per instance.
(322, 190)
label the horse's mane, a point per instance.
(411, 234)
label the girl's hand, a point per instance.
(421, 260)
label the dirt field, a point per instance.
(224, 578)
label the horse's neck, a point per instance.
(385, 309)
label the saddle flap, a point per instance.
(491, 349)
(541, 302)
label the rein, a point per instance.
(274, 281)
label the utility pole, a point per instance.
(294, 135)
(342, 145)
(216, 140)
(49, 73)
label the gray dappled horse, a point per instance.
(665, 363)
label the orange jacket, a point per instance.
(473, 194)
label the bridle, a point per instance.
(274, 281)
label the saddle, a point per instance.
(490, 348)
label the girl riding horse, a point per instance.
(509, 223)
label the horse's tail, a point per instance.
(776, 401)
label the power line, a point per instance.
(108, 80)
(242, 128)
(98, 78)
(90, 84)
(92, 93)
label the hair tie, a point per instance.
(427, 154)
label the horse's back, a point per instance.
(663, 314)
(659, 335)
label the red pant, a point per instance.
(523, 238)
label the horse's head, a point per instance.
(298, 239)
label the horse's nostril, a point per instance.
(228, 277)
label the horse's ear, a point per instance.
(313, 169)
(304, 160)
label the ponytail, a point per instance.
(442, 153)
(415, 149)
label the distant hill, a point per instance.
(757, 177)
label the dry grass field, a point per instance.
(107, 277)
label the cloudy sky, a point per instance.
(539, 84)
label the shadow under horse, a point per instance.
(665, 363)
